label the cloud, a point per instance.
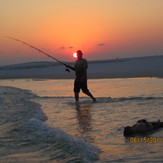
(70, 47)
(101, 44)
(62, 48)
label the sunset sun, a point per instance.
(75, 55)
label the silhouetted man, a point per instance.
(80, 69)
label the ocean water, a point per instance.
(40, 121)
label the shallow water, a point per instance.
(98, 124)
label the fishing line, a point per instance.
(33, 47)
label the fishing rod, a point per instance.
(33, 47)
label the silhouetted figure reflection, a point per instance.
(84, 118)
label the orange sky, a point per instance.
(103, 29)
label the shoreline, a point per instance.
(121, 68)
(40, 78)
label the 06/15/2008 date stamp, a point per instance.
(151, 140)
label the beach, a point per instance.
(43, 123)
(115, 68)
(40, 121)
(81, 81)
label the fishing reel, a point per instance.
(67, 69)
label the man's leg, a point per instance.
(76, 90)
(86, 91)
(76, 96)
(90, 95)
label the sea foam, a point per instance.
(23, 122)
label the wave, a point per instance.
(135, 99)
(25, 135)
(103, 99)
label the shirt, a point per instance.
(81, 70)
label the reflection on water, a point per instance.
(85, 121)
(98, 87)
(101, 124)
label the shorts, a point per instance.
(80, 85)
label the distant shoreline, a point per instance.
(62, 78)
(59, 78)
(104, 69)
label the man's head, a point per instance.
(79, 54)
